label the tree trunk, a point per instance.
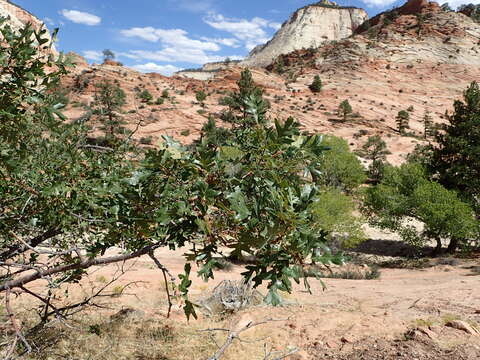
(438, 248)
(452, 247)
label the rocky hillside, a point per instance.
(19, 16)
(417, 58)
(309, 27)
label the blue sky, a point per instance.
(168, 35)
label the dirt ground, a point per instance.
(404, 314)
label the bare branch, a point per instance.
(82, 264)
(16, 327)
(235, 334)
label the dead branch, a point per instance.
(16, 327)
(269, 355)
(79, 265)
(235, 334)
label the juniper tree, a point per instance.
(201, 96)
(108, 54)
(145, 96)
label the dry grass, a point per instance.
(94, 336)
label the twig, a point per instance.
(165, 272)
(16, 327)
(235, 334)
(414, 303)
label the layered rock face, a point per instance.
(308, 27)
(20, 17)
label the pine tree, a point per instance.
(345, 109)
(201, 96)
(402, 119)
(428, 128)
(108, 101)
(375, 149)
(456, 158)
(316, 85)
(108, 54)
(241, 102)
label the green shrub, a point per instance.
(340, 167)
(145, 96)
(316, 85)
(334, 212)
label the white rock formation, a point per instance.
(308, 27)
(19, 17)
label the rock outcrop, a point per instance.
(308, 27)
(19, 17)
(207, 71)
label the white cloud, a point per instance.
(230, 42)
(93, 55)
(80, 17)
(378, 3)
(171, 54)
(250, 32)
(48, 21)
(456, 3)
(152, 67)
(176, 46)
(173, 37)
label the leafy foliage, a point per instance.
(340, 167)
(242, 103)
(145, 96)
(334, 213)
(252, 193)
(201, 96)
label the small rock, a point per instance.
(331, 344)
(428, 332)
(347, 339)
(463, 326)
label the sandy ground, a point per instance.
(403, 314)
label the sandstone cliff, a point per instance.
(308, 27)
(19, 17)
